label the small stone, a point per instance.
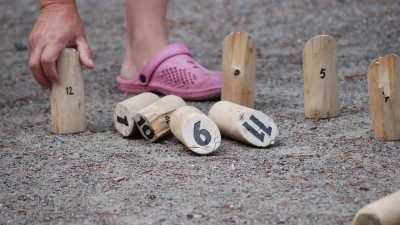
(75, 155)
(313, 128)
(20, 46)
(364, 189)
(118, 179)
(152, 197)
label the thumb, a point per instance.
(85, 54)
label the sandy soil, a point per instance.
(319, 171)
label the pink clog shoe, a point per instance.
(174, 71)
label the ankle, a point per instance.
(137, 56)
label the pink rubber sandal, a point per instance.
(174, 71)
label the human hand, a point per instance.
(57, 27)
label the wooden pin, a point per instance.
(153, 120)
(384, 97)
(67, 97)
(238, 69)
(244, 124)
(385, 211)
(125, 112)
(195, 130)
(321, 84)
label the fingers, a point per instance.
(85, 53)
(48, 59)
(36, 67)
(42, 61)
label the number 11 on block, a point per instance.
(244, 124)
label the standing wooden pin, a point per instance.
(238, 69)
(125, 112)
(384, 97)
(153, 120)
(67, 96)
(385, 211)
(244, 124)
(195, 130)
(321, 84)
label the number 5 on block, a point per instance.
(244, 124)
(321, 83)
(195, 130)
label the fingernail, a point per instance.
(90, 61)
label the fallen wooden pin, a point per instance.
(195, 130)
(125, 112)
(244, 124)
(321, 85)
(67, 97)
(153, 120)
(385, 211)
(238, 69)
(384, 97)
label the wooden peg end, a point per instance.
(153, 120)
(385, 211)
(244, 124)
(195, 130)
(125, 112)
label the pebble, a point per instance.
(21, 46)
(118, 179)
(75, 155)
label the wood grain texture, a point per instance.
(125, 112)
(244, 124)
(195, 130)
(384, 97)
(321, 85)
(385, 211)
(153, 120)
(238, 69)
(67, 96)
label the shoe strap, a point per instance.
(166, 53)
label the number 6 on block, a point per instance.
(244, 124)
(195, 130)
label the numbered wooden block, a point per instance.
(384, 97)
(195, 130)
(238, 69)
(385, 211)
(153, 120)
(125, 112)
(67, 97)
(321, 84)
(244, 124)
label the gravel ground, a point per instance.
(319, 171)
